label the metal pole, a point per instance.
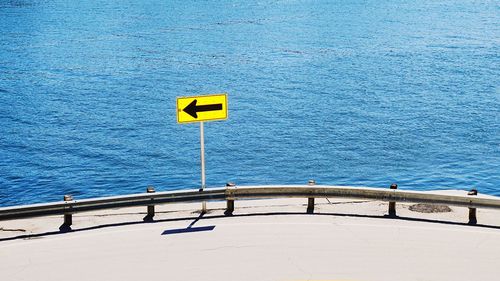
(392, 205)
(310, 200)
(151, 208)
(472, 211)
(68, 217)
(230, 201)
(202, 146)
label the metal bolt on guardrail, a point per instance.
(392, 205)
(229, 200)
(310, 200)
(151, 208)
(472, 211)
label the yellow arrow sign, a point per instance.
(202, 108)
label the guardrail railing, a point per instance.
(230, 193)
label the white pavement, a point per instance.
(265, 240)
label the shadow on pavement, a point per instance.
(190, 228)
(209, 228)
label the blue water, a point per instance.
(346, 92)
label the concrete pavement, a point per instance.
(264, 240)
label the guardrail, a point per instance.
(231, 193)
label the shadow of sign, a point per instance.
(190, 228)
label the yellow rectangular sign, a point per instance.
(202, 108)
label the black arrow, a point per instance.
(192, 109)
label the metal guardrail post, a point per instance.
(472, 211)
(310, 200)
(392, 205)
(68, 216)
(151, 208)
(229, 200)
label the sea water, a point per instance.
(347, 92)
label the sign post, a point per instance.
(202, 157)
(201, 109)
